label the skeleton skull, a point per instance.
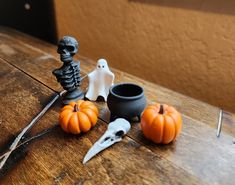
(67, 47)
(116, 130)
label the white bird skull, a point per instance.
(114, 133)
(116, 130)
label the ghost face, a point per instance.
(102, 64)
(67, 47)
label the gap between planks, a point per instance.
(27, 74)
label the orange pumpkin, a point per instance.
(78, 116)
(161, 123)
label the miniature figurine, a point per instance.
(68, 75)
(126, 100)
(100, 80)
(116, 130)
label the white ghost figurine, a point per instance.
(100, 80)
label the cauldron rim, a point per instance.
(141, 94)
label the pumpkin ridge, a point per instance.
(70, 126)
(64, 113)
(79, 103)
(86, 106)
(153, 107)
(158, 122)
(93, 108)
(86, 103)
(175, 124)
(172, 110)
(170, 127)
(64, 124)
(84, 126)
(84, 111)
(148, 124)
(163, 128)
(89, 115)
(66, 107)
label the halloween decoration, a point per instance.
(126, 100)
(161, 123)
(15, 143)
(68, 75)
(116, 130)
(78, 116)
(100, 80)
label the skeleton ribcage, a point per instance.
(71, 77)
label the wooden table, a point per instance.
(27, 84)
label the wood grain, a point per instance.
(197, 150)
(57, 157)
(196, 157)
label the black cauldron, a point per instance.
(126, 100)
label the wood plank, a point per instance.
(57, 157)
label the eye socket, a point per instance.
(70, 48)
(120, 133)
(98, 66)
(60, 47)
(102, 66)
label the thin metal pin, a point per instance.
(219, 125)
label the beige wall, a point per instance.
(185, 45)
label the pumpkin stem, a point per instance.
(76, 109)
(161, 111)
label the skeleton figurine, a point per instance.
(100, 80)
(68, 75)
(116, 130)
